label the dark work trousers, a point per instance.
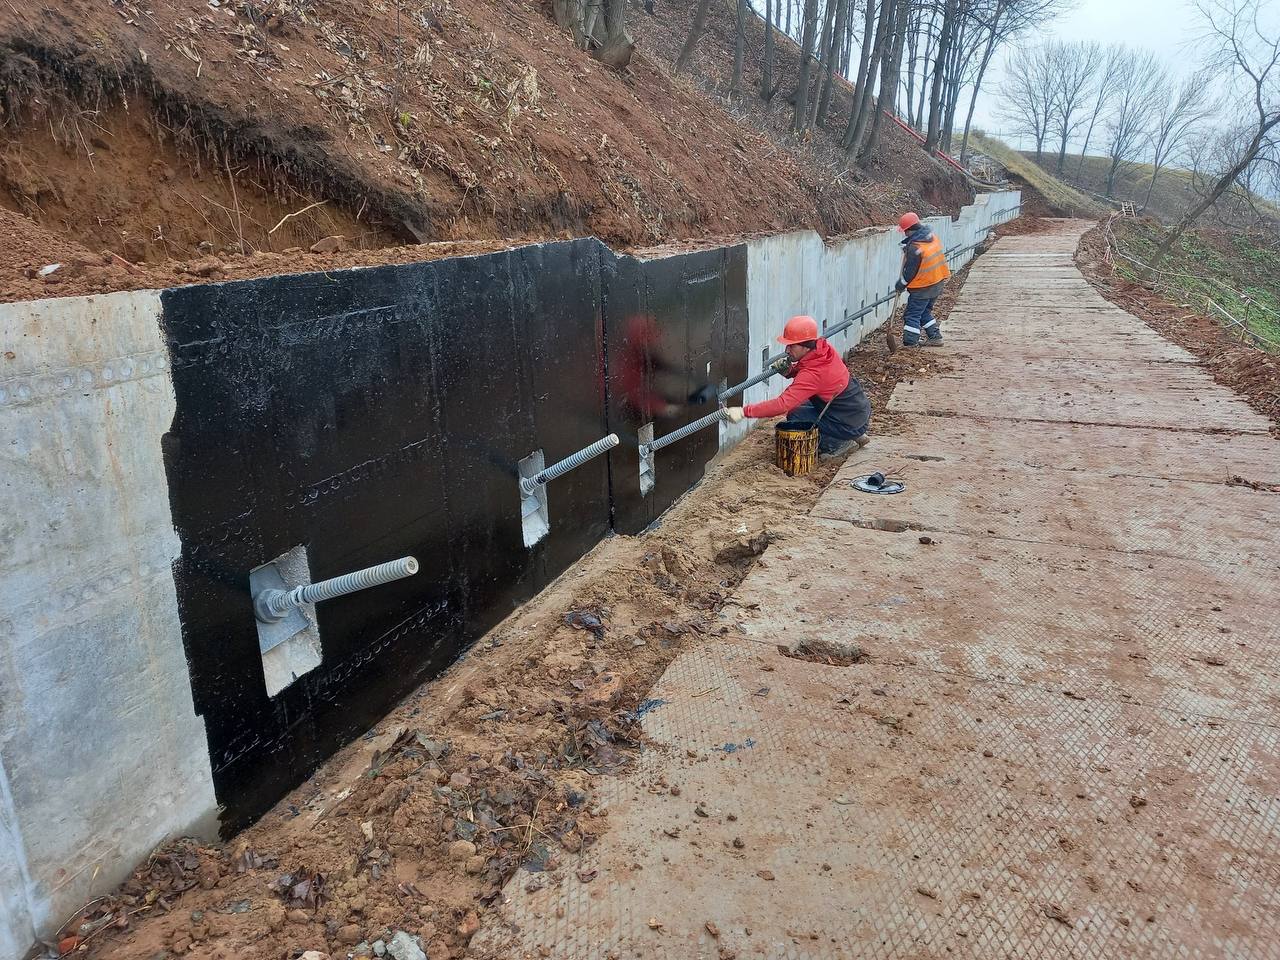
(846, 419)
(919, 316)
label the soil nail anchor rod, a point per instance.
(529, 485)
(686, 430)
(272, 606)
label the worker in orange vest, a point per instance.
(924, 272)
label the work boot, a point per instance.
(934, 341)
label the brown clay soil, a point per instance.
(416, 826)
(155, 145)
(1249, 370)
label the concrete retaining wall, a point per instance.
(157, 447)
(797, 273)
(101, 752)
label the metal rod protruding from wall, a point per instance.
(686, 430)
(271, 606)
(529, 484)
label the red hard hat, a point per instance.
(908, 221)
(798, 330)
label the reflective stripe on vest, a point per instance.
(933, 264)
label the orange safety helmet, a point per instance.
(798, 330)
(908, 221)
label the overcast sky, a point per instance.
(1162, 26)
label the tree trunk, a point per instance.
(766, 69)
(788, 29)
(889, 77)
(695, 31)
(739, 47)
(1062, 154)
(864, 63)
(933, 135)
(954, 79)
(600, 30)
(618, 46)
(832, 62)
(800, 120)
(1146, 201)
(977, 86)
(846, 40)
(926, 57)
(823, 51)
(1111, 176)
(853, 135)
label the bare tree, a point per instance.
(1104, 89)
(695, 33)
(831, 62)
(739, 46)
(801, 119)
(999, 21)
(1141, 83)
(1027, 94)
(872, 43)
(823, 50)
(950, 24)
(1075, 67)
(1176, 118)
(767, 89)
(891, 69)
(1244, 43)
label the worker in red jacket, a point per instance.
(821, 391)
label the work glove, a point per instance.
(899, 286)
(782, 364)
(734, 414)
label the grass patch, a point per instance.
(1062, 198)
(1235, 272)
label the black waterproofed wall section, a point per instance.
(371, 414)
(676, 330)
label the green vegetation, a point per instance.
(1064, 199)
(1174, 191)
(1233, 271)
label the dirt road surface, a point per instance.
(1059, 739)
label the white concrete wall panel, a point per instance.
(101, 753)
(797, 273)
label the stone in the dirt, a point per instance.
(475, 864)
(469, 925)
(298, 916)
(335, 244)
(403, 947)
(350, 934)
(205, 267)
(379, 948)
(314, 955)
(462, 850)
(1055, 912)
